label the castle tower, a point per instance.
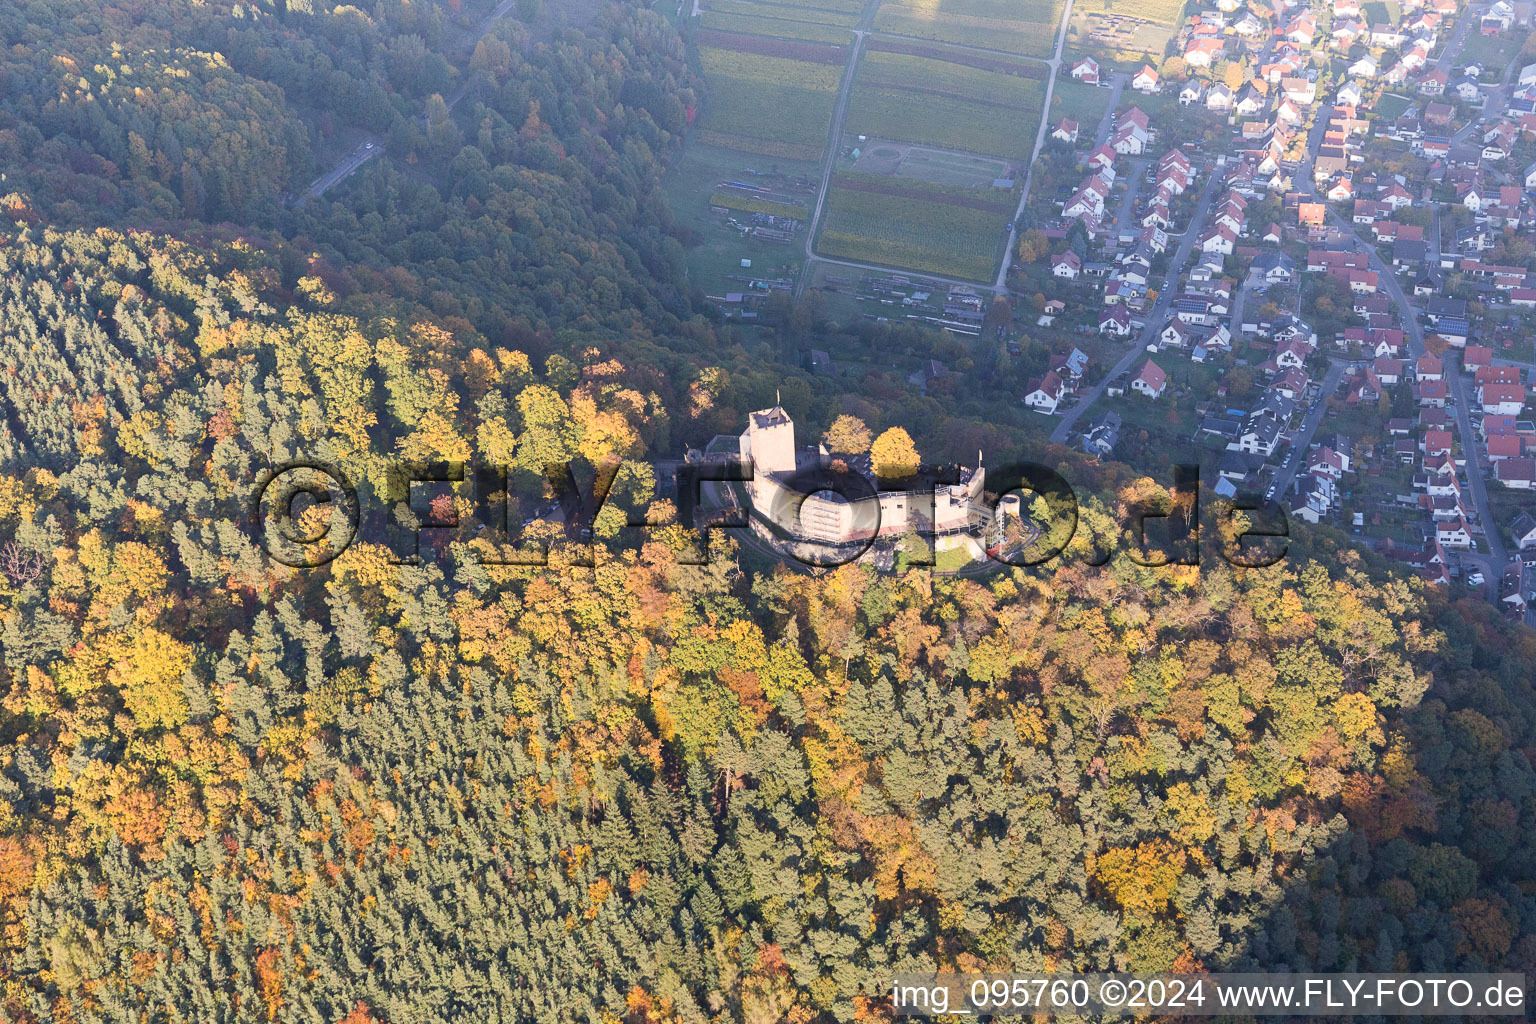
(769, 445)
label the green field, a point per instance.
(938, 103)
(898, 231)
(1019, 26)
(1381, 12)
(770, 105)
(1084, 104)
(1391, 106)
(775, 26)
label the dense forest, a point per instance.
(640, 790)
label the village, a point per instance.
(1323, 283)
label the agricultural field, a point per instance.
(941, 167)
(911, 98)
(779, 20)
(902, 223)
(735, 199)
(716, 246)
(777, 106)
(1026, 27)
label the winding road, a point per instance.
(373, 145)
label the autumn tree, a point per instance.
(894, 455)
(847, 435)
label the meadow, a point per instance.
(914, 234)
(1019, 26)
(770, 105)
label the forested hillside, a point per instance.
(643, 790)
(236, 791)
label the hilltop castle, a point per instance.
(953, 513)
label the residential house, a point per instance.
(1115, 321)
(1502, 399)
(1151, 380)
(1523, 529)
(1259, 435)
(1365, 67)
(1519, 474)
(1046, 394)
(1453, 534)
(1273, 268)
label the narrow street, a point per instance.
(1309, 424)
(1154, 317)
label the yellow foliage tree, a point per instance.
(848, 435)
(894, 455)
(1141, 878)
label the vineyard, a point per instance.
(910, 98)
(908, 115)
(846, 6)
(792, 12)
(774, 26)
(1020, 26)
(776, 106)
(1018, 89)
(899, 230)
